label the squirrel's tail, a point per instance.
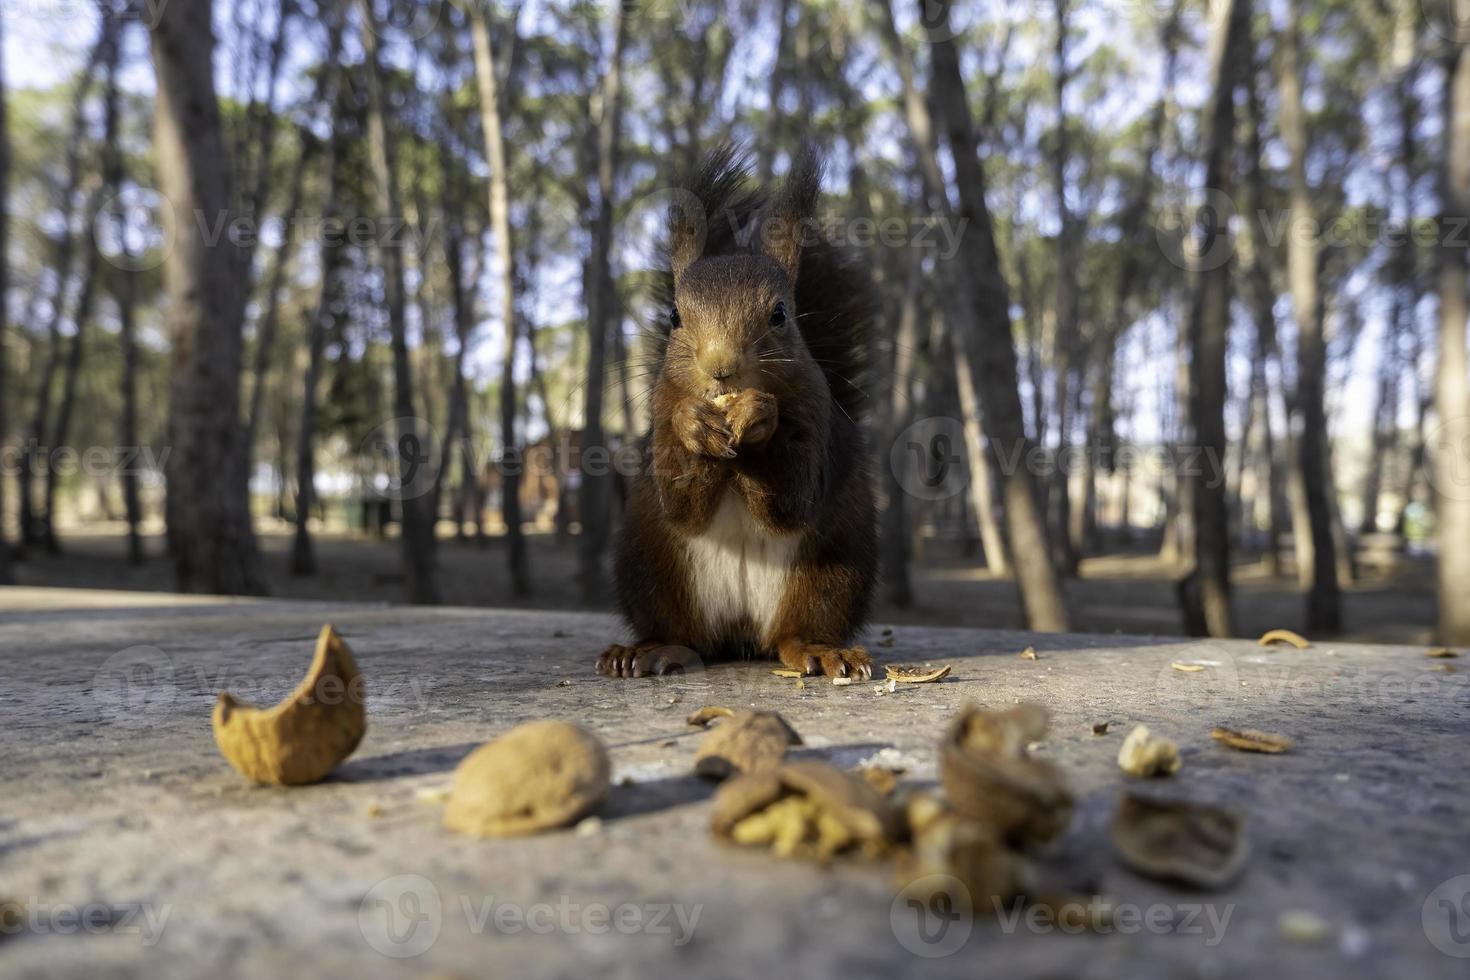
(835, 300)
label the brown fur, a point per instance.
(781, 435)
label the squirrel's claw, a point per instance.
(819, 658)
(644, 660)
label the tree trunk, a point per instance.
(1404, 264)
(980, 486)
(6, 573)
(894, 529)
(1261, 301)
(303, 550)
(491, 78)
(60, 434)
(1452, 388)
(1209, 328)
(464, 323)
(208, 505)
(1065, 338)
(594, 498)
(265, 334)
(125, 296)
(418, 528)
(34, 527)
(771, 141)
(1324, 597)
(128, 423)
(992, 350)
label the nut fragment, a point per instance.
(1441, 653)
(1186, 667)
(989, 775)
(882, 778)
(806, 810)
(1099, 728)
(786, 672)
(747, 742)
(1250, 740)
(966, 860)
(1284, 636)
(1029, 653)
(308, 734)
(537, 776)
(1177, 840)
(916, 675)
(1141, 754)
(709, 713)
(1303, 926)
(723, 402)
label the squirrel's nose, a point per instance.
(720, 364)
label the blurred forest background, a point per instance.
(1176, 288)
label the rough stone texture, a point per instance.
(111, 793)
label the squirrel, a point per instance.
(750, 529)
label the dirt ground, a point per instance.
(1130, 593)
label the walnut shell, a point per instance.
(1251, 740)
(967, 851)
(1144, 754)
(1176, 840)
(848, 812)
(308, 734)
(990, 777)
(748, 741)
(537, 776)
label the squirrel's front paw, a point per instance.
(751, 416)
(701, 428)
(647, 659)
(820, 658)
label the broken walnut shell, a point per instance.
(703, 716)
(1144, 754)
(1284, 636)
(1250, 740)
(747, 741)
(949, 849)
(1176, 840)
(916, 675)
(308, 734)
(537, 776)
(989, 775)
(805, 809)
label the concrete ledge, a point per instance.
(116, 804)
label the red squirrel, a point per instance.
(750, 530)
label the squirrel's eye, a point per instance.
(778, 315)
(674, 317)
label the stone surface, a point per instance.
(133, 849)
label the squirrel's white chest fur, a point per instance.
(738, 570)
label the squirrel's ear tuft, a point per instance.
(713, 201)
(793, 212)
(688, 228)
